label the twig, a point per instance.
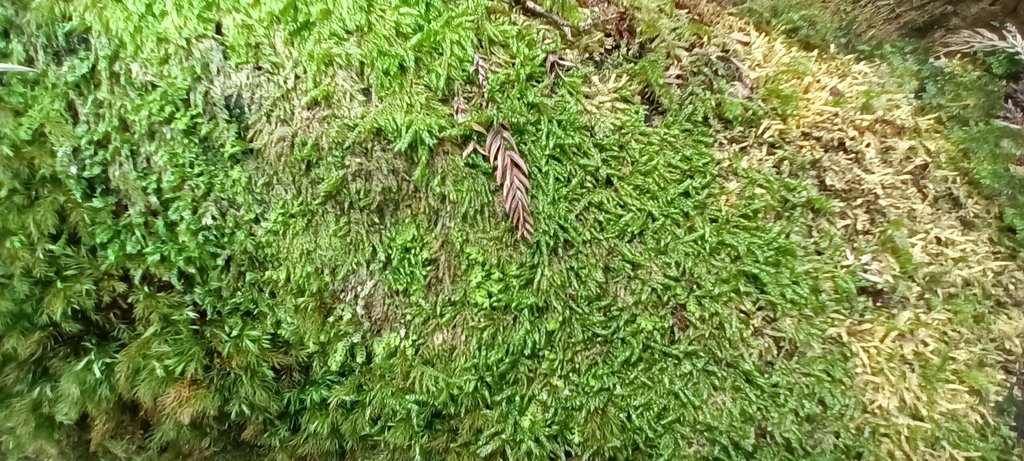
(534, 9)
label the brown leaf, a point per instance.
(473, 146)
(520, 165)
(507, 192)
(493, 146)
(500, 173)
(512, 205)
(551, 65)
(521, 177)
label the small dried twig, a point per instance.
(536, 10)
(511, 174)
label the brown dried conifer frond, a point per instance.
(511, 174)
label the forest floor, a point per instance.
(254, 230)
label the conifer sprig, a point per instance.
(511, 174)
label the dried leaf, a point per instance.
(871, 278)
(473, 146)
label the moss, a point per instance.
(241, 230)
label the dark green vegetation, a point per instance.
(240, 231)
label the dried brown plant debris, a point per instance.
(612, 20)
(253, 432)
(176, 403)
(511, 174)
(273, 109)
(369, 298)
(555, 66)
(459, 106)
(102, 426)
(981, 40)
(481, 70)
(1013, 101)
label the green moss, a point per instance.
(345, 285)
